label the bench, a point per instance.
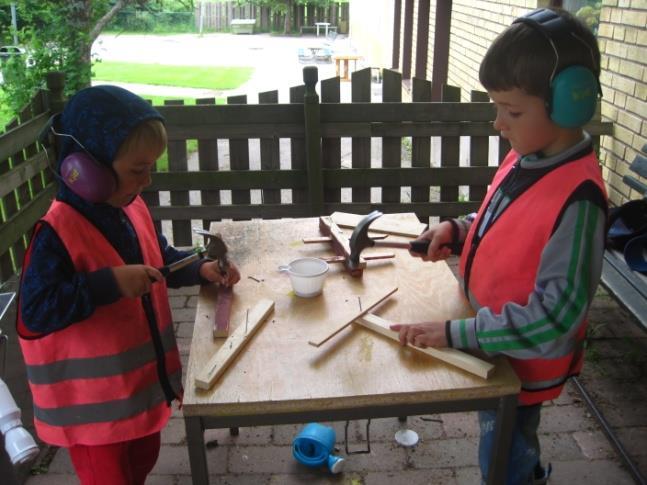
(628, 287)
(308, 28)
(242, 26)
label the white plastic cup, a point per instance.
(307, 276)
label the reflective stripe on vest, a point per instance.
(96, 381)
(502, 272)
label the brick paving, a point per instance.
(571, 439)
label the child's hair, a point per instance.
(150, 134)
(522, 57)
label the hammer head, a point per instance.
(216, 248)
(359, 240)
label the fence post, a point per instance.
(312, 120)
(55, 83)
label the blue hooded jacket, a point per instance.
(53, 295)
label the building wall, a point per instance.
(371, 31)
(475, 24)
(622, 36)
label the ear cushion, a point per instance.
(87, 178)
(574, 96)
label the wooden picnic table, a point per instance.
(279, 379)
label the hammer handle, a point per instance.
(416, 246)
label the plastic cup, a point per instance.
(307, 276)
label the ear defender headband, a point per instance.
(80, 171)
(574, 90)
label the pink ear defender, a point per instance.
(86, 176)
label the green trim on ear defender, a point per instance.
(574, 97)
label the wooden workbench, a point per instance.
(278, 378)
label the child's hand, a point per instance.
(135, 280)
(437, 236)
(428, 334)
(211, 272)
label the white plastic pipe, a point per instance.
(19, 444)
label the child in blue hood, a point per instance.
(94, 320)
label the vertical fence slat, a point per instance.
(312, 118)
(479, 150)
(270, 152)
(10, 209)
(298, 147)
(450, 148)
(331, 147)
(391, 145)
(239, 156)
(177, 162)
(208, 160)
(420, 146)
(361, 146)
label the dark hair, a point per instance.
(522, 57)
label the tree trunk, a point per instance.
(288, 17)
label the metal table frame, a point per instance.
(506, 407)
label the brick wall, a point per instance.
(622, 37)
(475, 24)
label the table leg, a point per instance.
(197, 449)
(326, 31)
(505, 418)
(317, 31)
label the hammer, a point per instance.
(216, 249)
(359, 240)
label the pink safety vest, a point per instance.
(96, 381)
(505, 262)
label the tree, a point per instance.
(286, 7)
(59, 36)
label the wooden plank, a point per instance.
(373, 304)
(254, 129)
(233, 345)
(235, 114)
(208, 161)
(177, 161)
(239, 156)
(340, 245)
(313, 141)
(403, 224)
(450, 149)
(421, 144)
(223, 312)
(298, 144)
(437, 176)
(454, 357)
(391, 145)
(479, 152)
(361, 146)
(22, 173)
(248, 179)
(270, 152)
(18, 137)
(331, 145)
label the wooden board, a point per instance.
(223, 312)
(233, 345)
(454, 357)
(404, 224)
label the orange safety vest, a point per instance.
(504, 263)
(97, 381)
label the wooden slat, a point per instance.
(177, 161)
(421, 144)
(234, 114)
(239, 156)
(227, 180)
(236, 131)
(331, 145)
(22, 173)
(270, 152)
(450, 148)
(391, 145)
(18, 137)
(22, 222)
(389, 177)
(479, 151)
(454, 357)
(208, 162)
(422, 209)
(361, 146)
(298, 144)
(379, 112)
(237, 212)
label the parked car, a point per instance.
(7, 51)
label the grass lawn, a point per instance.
(217, 78)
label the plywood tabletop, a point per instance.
(279, 372)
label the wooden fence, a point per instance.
(307, 179)
(217, 16)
